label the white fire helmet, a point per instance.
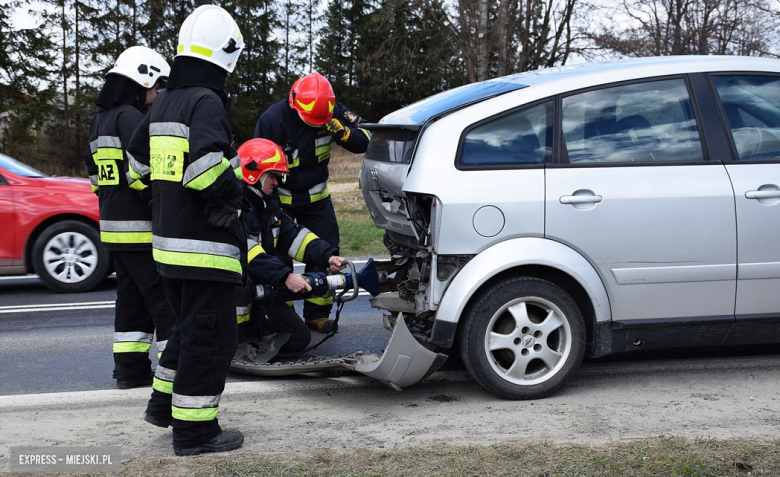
(211, 34)
(142, 65)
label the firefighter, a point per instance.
(125, 217)
(184, 146)
(305, 125)
(269, 233)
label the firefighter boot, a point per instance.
(323, 325)
(226, 440)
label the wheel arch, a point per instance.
(530, 257)
(28, 247)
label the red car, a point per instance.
(50, 226)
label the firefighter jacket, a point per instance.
(270, 233)
(125, 217)
(308, 150)
(184, 146)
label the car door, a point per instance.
(634, 193)
(751, 106)
(8, 221)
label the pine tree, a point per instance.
(253, 84)
(24, 93)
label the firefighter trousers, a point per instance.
(282, 318)
(320, 218)
(141, 311)
(190, 378)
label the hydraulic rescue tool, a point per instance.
(404, 362)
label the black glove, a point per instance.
(221, 212)
(338, 130)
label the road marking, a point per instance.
(93, 305)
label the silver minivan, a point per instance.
(585, 210)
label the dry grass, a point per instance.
(344, 166)
(670, 456)
(359, 236)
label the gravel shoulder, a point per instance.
(734, 398)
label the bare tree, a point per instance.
(506, 36)
(689, 27)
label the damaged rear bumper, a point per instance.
(404, 362)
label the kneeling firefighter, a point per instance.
(269, 233)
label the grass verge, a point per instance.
(671, 456)
(359, 235)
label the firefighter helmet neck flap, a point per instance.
(260, 158)
(313, 98)
(211, 34)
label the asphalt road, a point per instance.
(51, 342)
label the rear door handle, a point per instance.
(762, 194)
(580, 199)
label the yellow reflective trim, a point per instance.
(289, 303)
(320, 196)
(108, 153)
(209, 176)
(125, 237)
(285, 199)
(322, 152)
(131, 347)
(306, 107)
(302, 249)
(254, 252)
(159, 354)
(204, 414)
(321, 301)
(243, 319)
(277, 157)
(137, 185)
(94, 188)
(169, 142)
(180, 49)
(201, 51)
(368, 134)
(239, 174)
(162, 386)
(201, 260)
(295, 163)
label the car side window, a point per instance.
(3, 181)
(752, 107)
(643, 122)
(516, 139)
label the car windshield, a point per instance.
(19, 168)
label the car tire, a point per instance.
(69, 257)
(523, 338)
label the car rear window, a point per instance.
(752, 106)
(391, 145)
(19, 168)
(516, 139)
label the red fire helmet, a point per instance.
(313, 98)
(258, 156)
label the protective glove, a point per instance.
(222, 213)
(338, 130)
